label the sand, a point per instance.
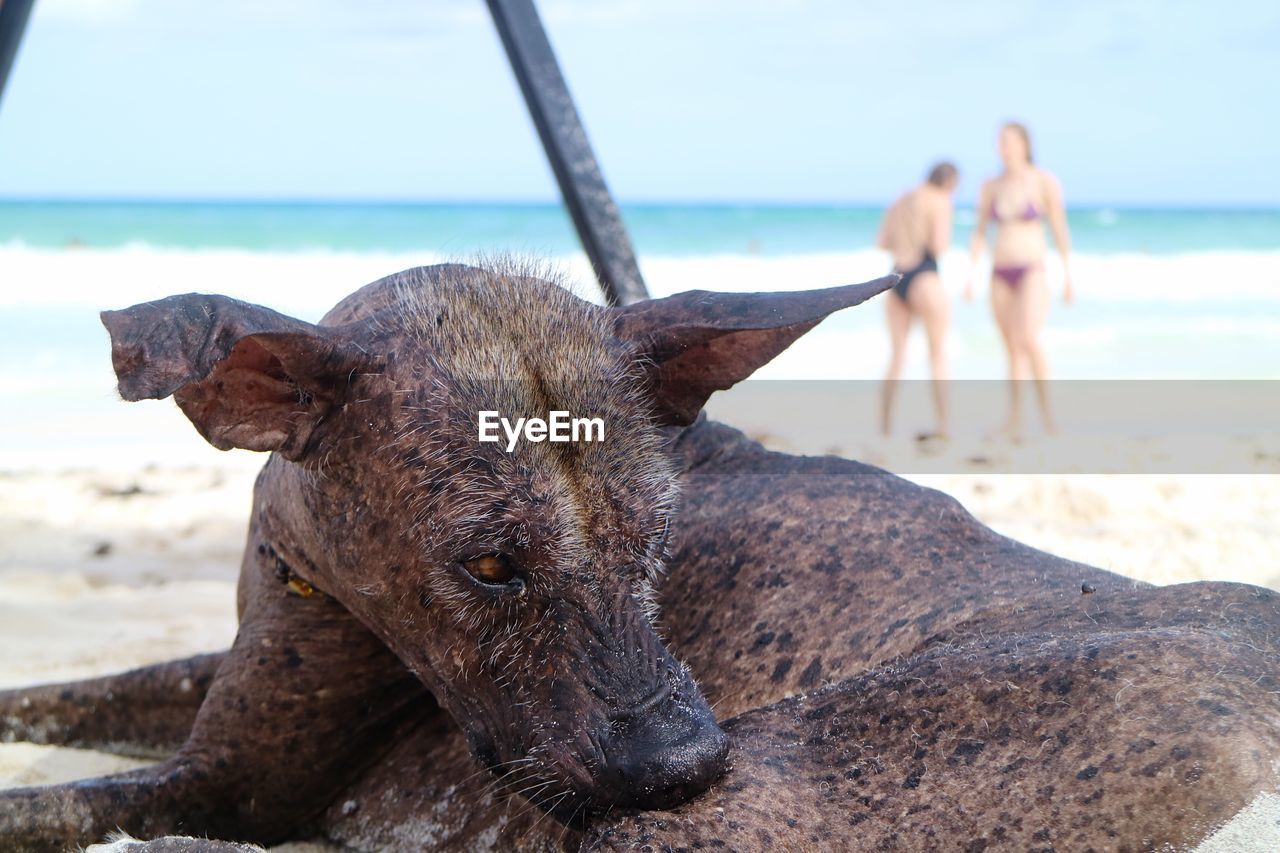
(106, 569)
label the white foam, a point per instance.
(310, 281)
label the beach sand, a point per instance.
(106, 569)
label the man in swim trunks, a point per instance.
(916, 230)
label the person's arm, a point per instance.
(978, 244)
(1058, 225)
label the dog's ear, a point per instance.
(245, 375)
(698, 342)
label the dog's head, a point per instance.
(514, 578)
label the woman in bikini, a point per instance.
(1019, 201)
(916, 230)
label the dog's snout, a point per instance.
(640, 709)
(661, 776)
(662, 752)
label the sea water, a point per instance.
(1160, 294)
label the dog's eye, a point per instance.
(495, 569)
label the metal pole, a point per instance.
(13, 20)
(592, 208)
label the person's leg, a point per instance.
(929, 301)
(1003, 298)
(899, 318)
(1033, 310)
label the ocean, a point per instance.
(685, 230)
(1161, 294)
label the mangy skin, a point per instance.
(891, 674)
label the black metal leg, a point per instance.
(13, 20)
(594, 213)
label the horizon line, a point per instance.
(371, 201)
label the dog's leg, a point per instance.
(143, 713)
(302, 703)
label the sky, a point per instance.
(1162, 103)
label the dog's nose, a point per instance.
(664, 776)
(662, 755)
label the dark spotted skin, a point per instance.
(965, 694)
(1017, 742)
(1021, 715)
(958, 689)
(795, 572)
(891, 674)
(969, 695)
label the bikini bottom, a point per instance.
(1014, 274)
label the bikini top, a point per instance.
(1030, 213)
